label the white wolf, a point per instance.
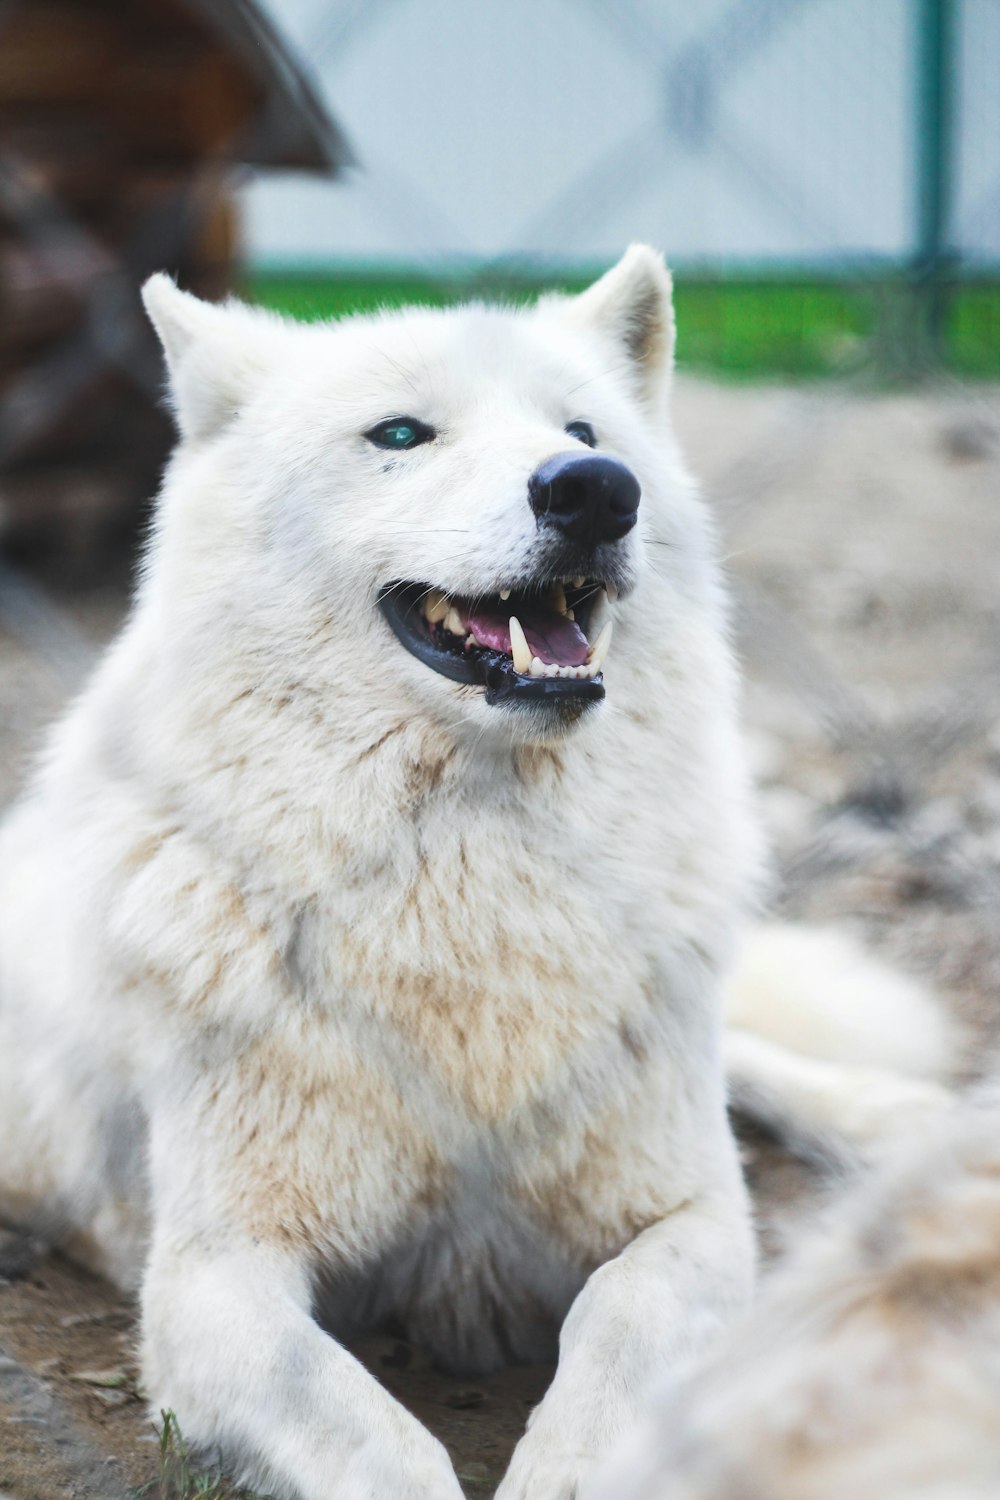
(361, 938)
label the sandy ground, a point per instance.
(862, 534)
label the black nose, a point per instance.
(586, 496)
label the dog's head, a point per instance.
(467, 493)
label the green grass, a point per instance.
(975, 331)
(739, 328)
(180, 1478)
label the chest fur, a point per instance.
(501, 958)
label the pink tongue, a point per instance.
(550, 635)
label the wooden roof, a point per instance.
(179, 79)
(295, 130)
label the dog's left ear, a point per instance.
(216, 354)
(632, 305)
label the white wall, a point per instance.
(561, 129)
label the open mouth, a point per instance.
(544, 642)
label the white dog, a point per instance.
(362, 935)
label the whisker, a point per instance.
(601, 375)
(400, 370)
(742, 551)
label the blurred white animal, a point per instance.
(871, 1365)
(362, 935)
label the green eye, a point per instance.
(400, 432)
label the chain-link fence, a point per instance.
(824, 174)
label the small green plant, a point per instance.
(180, 1478)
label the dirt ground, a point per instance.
(862, 534)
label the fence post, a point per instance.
(932, 269)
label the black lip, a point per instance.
(493, 671)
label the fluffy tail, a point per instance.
(829, 1047)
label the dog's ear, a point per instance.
(215, 354)
(632, 305)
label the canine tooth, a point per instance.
(453, 621)
(569, 614)
(599, 649)
(558, 597)
(579, 581)
(435, 606)
(598, 613)
(611, 592)
(519, 648)
(505, 593)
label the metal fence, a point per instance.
(855, 141)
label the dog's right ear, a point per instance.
(215, 353)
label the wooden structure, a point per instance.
(122, 126)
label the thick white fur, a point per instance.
(327, 990)
(834, 1050)
(815, 989)
(869, 1366)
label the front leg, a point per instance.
(230, 1346)
(638, 1319)
(260, 1174)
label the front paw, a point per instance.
(545, 1470)
(417, 1469)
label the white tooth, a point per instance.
(519, 648)
(598, 613)
(599, 649)
(558, 597)
(505, 593)
(537, 668)
(453, 622)
(611, 592)
(579, 581)
(435, 606)
(570, 615)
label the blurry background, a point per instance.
(808, 164)
(824, 176)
